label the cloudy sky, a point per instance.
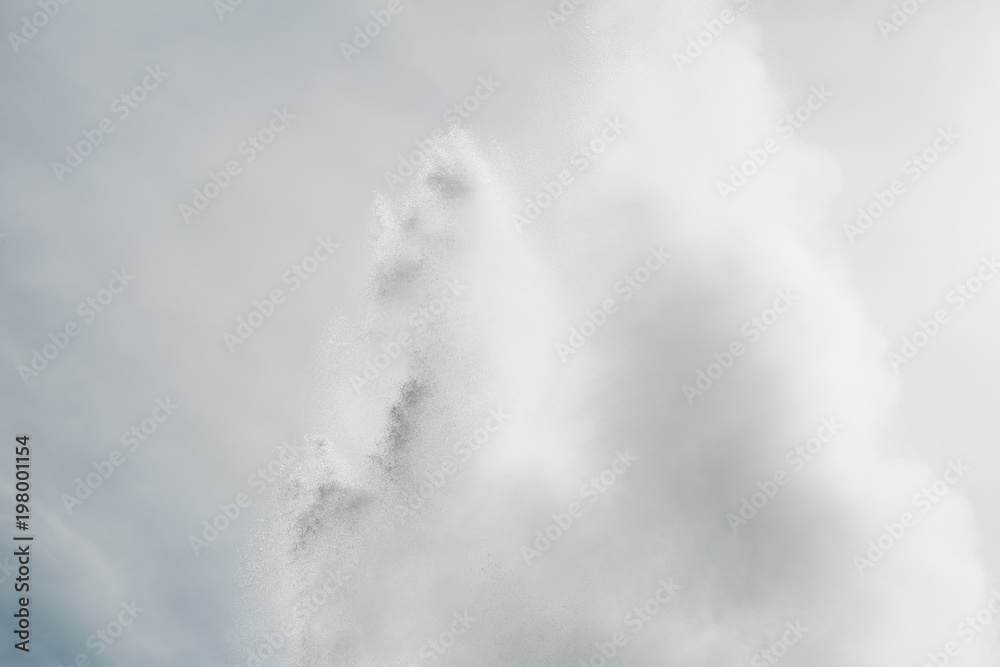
(522, 333)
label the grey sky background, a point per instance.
(163, 335)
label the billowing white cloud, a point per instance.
(684, 395)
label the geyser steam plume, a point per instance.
(547, 426)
